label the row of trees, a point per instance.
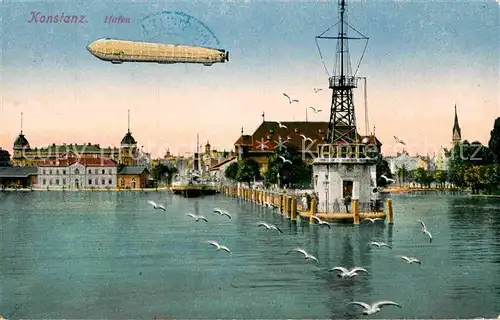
(294, 173)
(163, 173)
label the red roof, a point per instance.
(87, 162)
(268, 134)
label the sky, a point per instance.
(422, 58)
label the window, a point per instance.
(50, 171)
(110, 181)
(57, 182)
(44, 181)
(44, 172)
(96, 171)
(103, 172)
(50, 182)
(90, 181)
(77, 171)
(110, 171)
(103, 182)
(90, 171)
(347, 188)
(64, 171)
(57, 171)
(64, 181)
(122, 182)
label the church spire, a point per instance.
(457, 133)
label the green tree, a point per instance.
(163, 173)
(440, 176)
(420, 176)
(296, 174)
(231, 171)
(248, 171)
(494, 143)
(457, 165)
(490, 179)
(382, 169)
(403, 174)
(473, 178)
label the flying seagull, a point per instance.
(157, 206)
(269, 226)
(380, 244)
(218, 246)
(290, 99)
(315, 110)
(399, 140)
(373, 220)
(196, 217)
(346, 273)
(374, 308)
(410, 260)
(306, 255)
(222, 213)
(425, 231)
(316, 90)
(285, 160)
(281, 125)
(306, 138)
(321, 222)
(387, 179)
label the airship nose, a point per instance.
(91, 47)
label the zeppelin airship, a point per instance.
(119, 51)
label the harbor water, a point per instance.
(111, 255)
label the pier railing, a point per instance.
(292, 205)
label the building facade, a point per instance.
(77, 173)
(132, 177)
(303, 136)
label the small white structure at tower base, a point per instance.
(346, 172)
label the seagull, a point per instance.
(316, 90)
(281, 125)
(306, 138)
(380, 244)
(285, 160)
(321, 222)
(372, 220)
(387, 179)
(425, 231)
(374, 308)
(399, 140)
(410, 260)
(315, 110)
(306, 255)
(222, 213)
(346, 273)
(269, 226)
(218, 246)
(196, 217)
(290, 99)
(157, 206)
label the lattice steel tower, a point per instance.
(342, 124)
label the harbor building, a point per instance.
(303, 136)
(132, 177)
(98, 173)
(24, 155)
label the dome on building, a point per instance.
(128, 139)
(21, 142)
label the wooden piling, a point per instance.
(312, 210)
(355, 211)
(390, 214)
(293, 209)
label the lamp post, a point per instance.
(326, 183)
(279, 185)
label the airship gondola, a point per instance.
(119, 51)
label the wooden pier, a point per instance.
(289, 206)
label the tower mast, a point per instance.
(22, 122)
(128, 121)
(342, 124)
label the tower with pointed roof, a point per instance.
(128, 148)
(457, 133)
(21, 145)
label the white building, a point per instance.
(75, 173)
(217, 172)
(403, 160)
